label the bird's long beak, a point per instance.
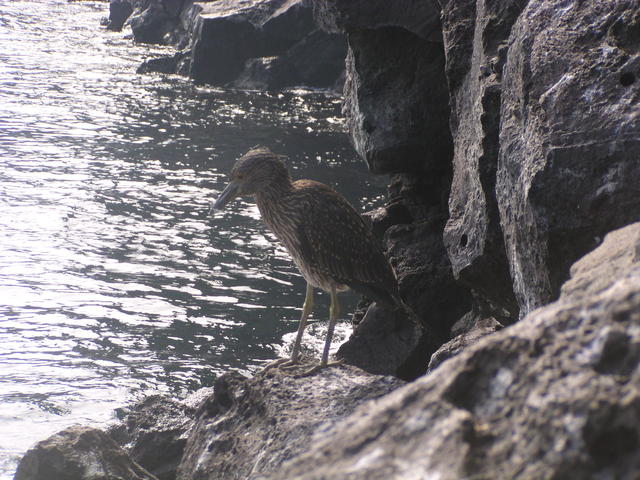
(228, 194)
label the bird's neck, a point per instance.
(271, 197)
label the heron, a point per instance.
(328, 240)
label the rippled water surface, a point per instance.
(114, 280)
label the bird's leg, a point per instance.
(306, 311)
(307, 307)
(334, 313)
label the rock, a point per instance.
(315, 61)
(475, 36)
(165, 22)
(396, 100)
(413, 221)
(263, 43)
(568, 169)
(249, 427)
(383, 342)
(152, 24)
(155, 433)
(79, 453)
(119, 12)
(420, 18)
(397, 120)
(168, 64)
(554, 396)
(479, 329)
(619, 253)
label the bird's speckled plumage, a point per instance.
(328, 240)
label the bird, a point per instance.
(332, 246)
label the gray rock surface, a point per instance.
(568, 169)
(475, 37)
(79, 453)
(555, 396)
(155, 433)
(164, 22)
(249, 427)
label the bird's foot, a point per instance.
(318, 367)
(281, 363)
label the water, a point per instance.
(114, 281)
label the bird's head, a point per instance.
(258, 170)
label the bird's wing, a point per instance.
(335, 240)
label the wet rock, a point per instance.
(168, 64)
(316, 61)
(152, 24)
(568, 169)
(476, 34)
(249, 427)
(155, 433)
(165, 22)
(233, 42)
(119, 12)
(79, 453)
(554, 396)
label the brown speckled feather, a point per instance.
(335, 241)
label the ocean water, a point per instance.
(115, 282)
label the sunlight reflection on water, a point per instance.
(114, 282)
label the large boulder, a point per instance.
(556, 395)
(233, 40)
(79, 453)
(568, 169)
(250, 427)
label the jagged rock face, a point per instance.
(249, 427)
(79, 453)
(475, 37)
(418, 17)
(161, 21)
(554, 396)
(396, 101)
(568, 169)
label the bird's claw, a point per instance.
(281, 363)
(317, 368)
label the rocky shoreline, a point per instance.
(511, 134)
